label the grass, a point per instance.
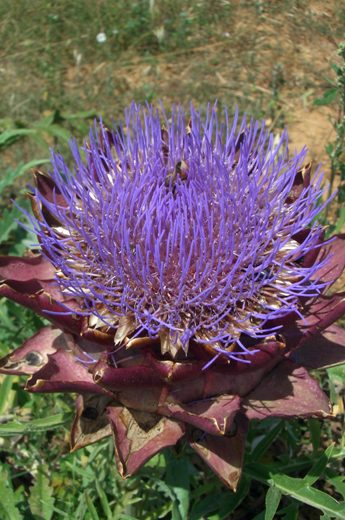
(152, 44)
(272, 59)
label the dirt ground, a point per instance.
(271, 58)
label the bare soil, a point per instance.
(271, 58)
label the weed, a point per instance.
(336, 149)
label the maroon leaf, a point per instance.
(48, 189)
(91, 422)
(116, 379)
(322, 312)
(214, 416)
(93, 339)
(334, 251)
(33, 354)
(287, 391)
(310, 257)
(301, 181)
(148, 399)
(171, 371)
(36, 297)
(224, 455)
(63, 373)
(236, 379)
(319, 314)
(140, 435)
(322, 350)
(155, 394)
(23, 269)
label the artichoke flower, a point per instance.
(186, 280)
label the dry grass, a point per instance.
(271, 58)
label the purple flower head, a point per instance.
(184, 228)
(190, 242)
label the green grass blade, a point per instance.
(91, 508)
(10, 176)
(36, 425)
(318, 467)
(41, 500)
(264, 444)
(272, 501)
(178, 479)
(8, 222)
(8, 501)
(86, 114)
(296, 488)
(6, 393)
(104, 501)
(9, 136)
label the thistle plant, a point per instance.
(185, 276)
